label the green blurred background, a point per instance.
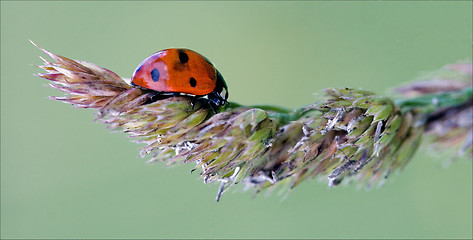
(65, 176)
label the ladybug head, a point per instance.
(219, 95)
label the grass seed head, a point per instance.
(349, 135)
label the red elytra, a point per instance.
(179, 70)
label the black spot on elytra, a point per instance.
(183, 58)
(155, 75)
(192, 82)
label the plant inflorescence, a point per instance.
(349, 135)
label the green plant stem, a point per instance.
(431, 102)
(282, 114)
(426, 104)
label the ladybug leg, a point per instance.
(213, 107)
(153, 97)
(203, 101)
(193, 101)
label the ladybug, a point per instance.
(181, 71)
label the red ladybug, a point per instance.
(181, 71)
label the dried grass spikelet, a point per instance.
(447, 126)
(351, 134)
